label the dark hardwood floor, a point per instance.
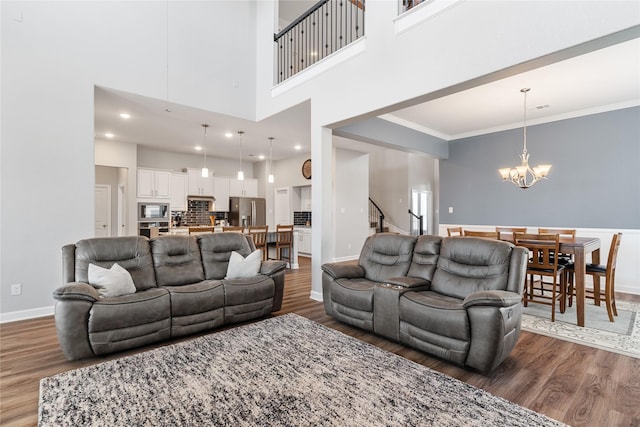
(578, 385)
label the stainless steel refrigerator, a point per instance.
(247, 211)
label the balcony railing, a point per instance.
(325, 28)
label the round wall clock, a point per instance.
(306, 169)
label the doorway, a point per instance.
(421, 202)
(103, 210)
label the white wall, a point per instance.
(53, 53)
(351, 202)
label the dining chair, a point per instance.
(542, 263)
(565, 259)
(259, 236)
(212, 219)
(510, 231)
(284, 240)
(486, 234)
(609, 273)
(233, 229)
(454, 231)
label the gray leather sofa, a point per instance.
(458, 298)
(180, 290)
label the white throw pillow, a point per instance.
(244, 267)
(112, 282)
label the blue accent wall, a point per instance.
(594, 181)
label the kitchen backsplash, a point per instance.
(198, 213)
(301, 218)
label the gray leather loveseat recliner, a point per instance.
(180, 289)
(458, 298)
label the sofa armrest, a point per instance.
(492, 298)
(408, 282)
(343, 271)
(77, 291)
(271, 267)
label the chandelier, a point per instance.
(523, 175)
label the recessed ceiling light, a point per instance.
(261, 156)
(125, 115)
(228, 134)
(109, 135)
(298, 147)
(198, 148)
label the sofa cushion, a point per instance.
(111, 282)
(177, 260)
(240, 266)
(471, 264)
(354, 293)
(386, 255)
(436, 313)
(425, 257)
(216, 250)
(131, 252)
(123, 322)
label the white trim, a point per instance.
(422, 12)
(316, 296)
(33, 313)
(548, 119)
(323, 65)
(346, 258)
(415, 126)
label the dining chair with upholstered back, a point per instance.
(486, 234)
(284, 240)
(542, 262)
(609, 273)
(454, 231)
(259, 236)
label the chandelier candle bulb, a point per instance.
(524, 176)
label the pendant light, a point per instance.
(240, 172)
(205, 169)
(270, 178)
(523, 175)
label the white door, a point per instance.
(103, 211)
(420, 205)
(282, 206)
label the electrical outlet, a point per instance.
(16, 289)
(450, 209)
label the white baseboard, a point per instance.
(14, 316)
(346, 258)
(316, 296)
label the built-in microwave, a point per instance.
(153, 211)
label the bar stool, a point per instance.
(284, 240)
(259, 236)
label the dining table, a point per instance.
(579, 247)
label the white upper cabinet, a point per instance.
(248, 187)
(199, 186)
(221, 193)
(178, 201)
(154, 184)
(305, 198)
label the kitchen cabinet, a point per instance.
(154, 184)
(221, 193)
(179, 186)
(304, 241)
(198, 185)
(305, 198)
(248, 187)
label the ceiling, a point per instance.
(601, 80)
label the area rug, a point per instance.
(283, 371)
(621, 336)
